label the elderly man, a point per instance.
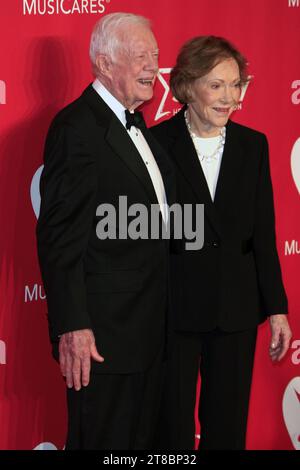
(107, 297)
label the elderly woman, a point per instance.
(222, 292)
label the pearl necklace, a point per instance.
(194, 137)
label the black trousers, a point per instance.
(116, 411)
(225, 362)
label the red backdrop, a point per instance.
(43, 65)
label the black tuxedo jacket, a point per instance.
(116, 287)
(234, 281)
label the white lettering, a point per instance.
(296, 94)
(35, 293)
(28, 9)
(243, 92)
(160, 113)
(42, 11)
(113, 460)
(245, 88)
(93, 6)
(62, 7)
(51, 7)
(32, 295)
(101, 7)
(176, 110)
(85, 6)
(296, 354)
(2, 92)
(294, 3)
(65, 7)
(76, 7)
(42, 295)
(291, 248)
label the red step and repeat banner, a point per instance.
(44, 64)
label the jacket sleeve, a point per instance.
(68, 192)
(270, 283)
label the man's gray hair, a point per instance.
(104, 39)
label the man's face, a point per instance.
(135, 66)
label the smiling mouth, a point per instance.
(146, 81)
(222, 110)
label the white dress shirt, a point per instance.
(141, 144)
(210, 166)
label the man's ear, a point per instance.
(104, 64)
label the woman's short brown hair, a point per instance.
(198, 57)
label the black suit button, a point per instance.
(215, 244)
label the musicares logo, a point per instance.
(291, 411)
(161, 111)
(64, 7)
(244, 91)
(2, 92)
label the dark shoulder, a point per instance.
(245, 133)
(76, 114)
(253, 143)
(76, 122)
(167, 131)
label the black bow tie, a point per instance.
(134, 119)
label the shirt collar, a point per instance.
(110, 100)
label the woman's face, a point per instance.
(215, 96)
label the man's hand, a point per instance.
(75, 352)
(281, 336)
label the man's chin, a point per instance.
(148, 97)
(146, 94)
(142, 99)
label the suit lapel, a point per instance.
(121, 143)
(118, 139)
(187, 159)
(164, 165)
(230, 171)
